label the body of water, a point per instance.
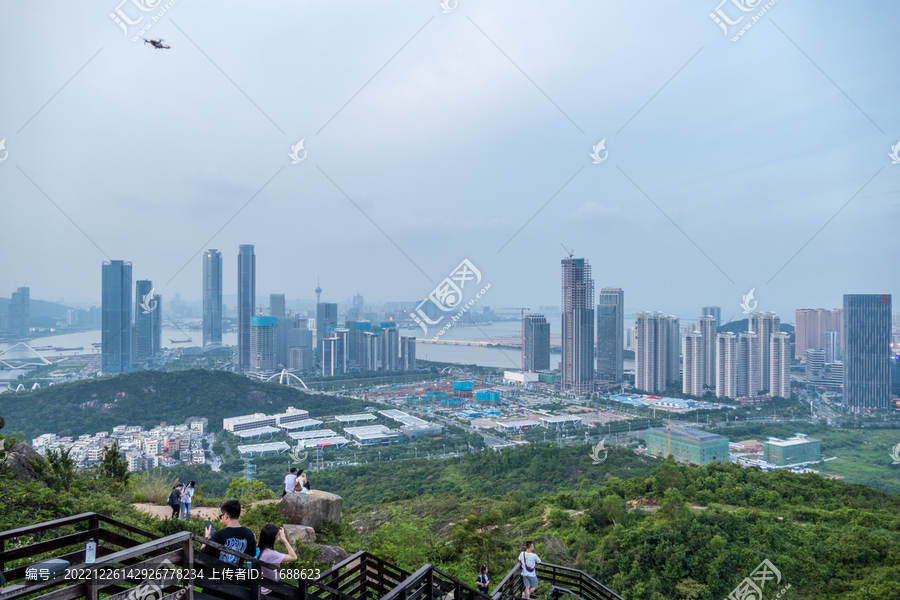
(507, 332)
(86, 339)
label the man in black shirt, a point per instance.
(234, 536)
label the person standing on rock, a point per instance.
(289, 480)
(268, 535)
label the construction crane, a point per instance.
(521, 318)
(669, 429)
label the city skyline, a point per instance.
(810, 175)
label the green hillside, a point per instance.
(149, 397)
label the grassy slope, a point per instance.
(863, 455)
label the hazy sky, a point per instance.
(451, 131)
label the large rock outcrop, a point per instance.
(311, 509)
(329, 555)
(19, 459)
(299, 534)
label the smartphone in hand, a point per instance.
(209, 526)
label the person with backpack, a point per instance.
(175, 500)
(529, 561)
(301, 485)
(483, 582)
(187, 497)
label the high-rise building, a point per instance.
(333, 362)
(326, 318)
(407, 353)
(712, 311)
(390, 346)
(831, 344)
(654, 336)
(372, 351)
(300, 338)
(357, 351)
(577, 327)
(673, 351)
(726, 366)
(246, 300)
(748, 364)
(809, 326)
(116, 327)
(815, 365)
(535, 343)
(764, 324)
(263, 343)
(343, 335)
(356, 309)
(867, 360)
(156, 325)
(276, 305)
(143, 319)
(780, 364)
(611, 334)
(895, 375)
(693, 378)
(300, 359)
(286, 326)
(18, 312)
(212, 296)
(708, 326)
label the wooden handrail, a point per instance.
(360, 576)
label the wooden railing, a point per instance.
(362, 575)
(65, 539)
(430, 583)
(562, 580)
(116, 572)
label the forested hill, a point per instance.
(149, 397)
(705, 530)
(535, 470)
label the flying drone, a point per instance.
(158, 44)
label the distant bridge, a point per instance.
(459, 343)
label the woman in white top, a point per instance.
(301, 485)
(267, 553)
(187, 496)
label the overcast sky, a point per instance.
(434, 137)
